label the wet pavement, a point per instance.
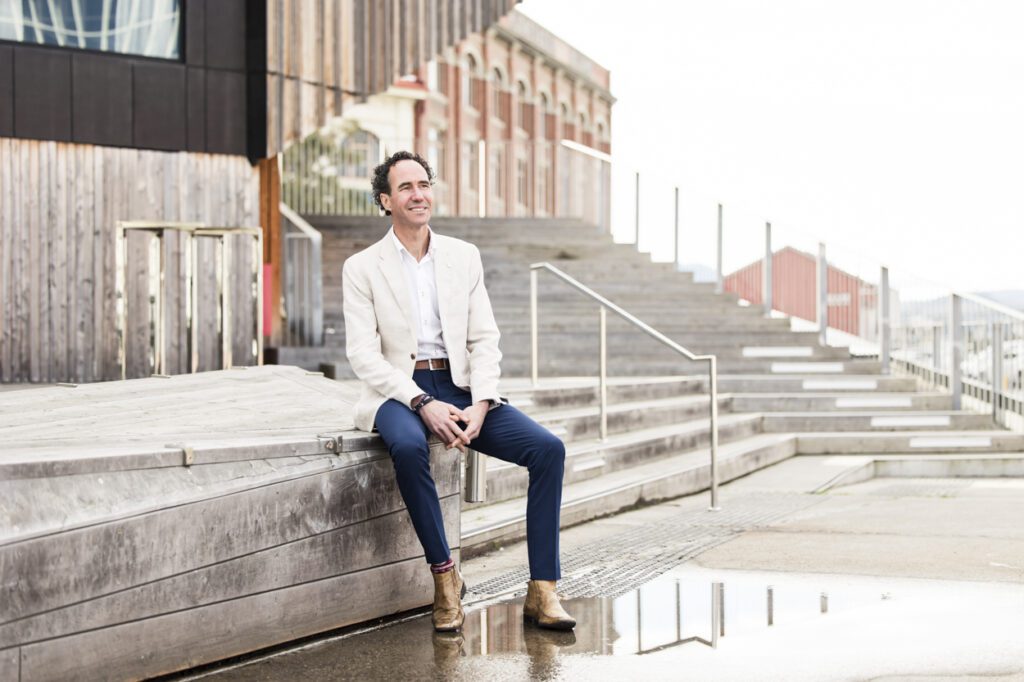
(883, 580)
(697, 623)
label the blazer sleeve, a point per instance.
(482, 336)
(363, 343)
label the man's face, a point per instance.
(411, 198)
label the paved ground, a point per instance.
(889, 579)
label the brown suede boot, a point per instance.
(543, 609)
(448, 592)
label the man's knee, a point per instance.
(549, 451)
(410, 453)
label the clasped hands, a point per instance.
(444, 419)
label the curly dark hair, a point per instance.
(380, 182)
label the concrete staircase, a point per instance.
(780, 393)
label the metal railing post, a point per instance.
(885, 328)
(997, 369)
(822, 295)
(718, 256)
(936, 353)
(476, 477)
(603, 372)
(713, 373)
(636, 214)
(767, 270)
(675, 248)
(533, 328)
(956, 349)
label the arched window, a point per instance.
(568, 129)
(500, 100)
(471, 83)
(526, 113)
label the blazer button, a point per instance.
(412, 356)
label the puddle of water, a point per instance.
(695, 623)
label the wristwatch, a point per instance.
(421, 400)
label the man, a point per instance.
(421, 336)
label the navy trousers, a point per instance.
(507, 434)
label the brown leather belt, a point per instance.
(432, 364)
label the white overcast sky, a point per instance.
(892, 130)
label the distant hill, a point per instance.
(1012, 298)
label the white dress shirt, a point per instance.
(422, 285)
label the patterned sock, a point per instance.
(443, 567)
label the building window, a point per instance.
(472, 86)
(151, 28)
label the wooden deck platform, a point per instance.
(156, 524)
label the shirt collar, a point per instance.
(431, 243)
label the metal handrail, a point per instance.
(605, 304)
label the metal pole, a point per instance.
(160, 356)
(675, 248)
(121, 256)
(768, 293)
(885, 324)
(997, 369)
(936, 352)
(717, 601)
(603, 372)
(771, 605)
(713, 371)
(193, 332)
(476, 477)
(224, 287)
(636, 220)
(822, 295)
(257, 257)
(718, 270)
(481, 184)
(956, 348)
(533, 327)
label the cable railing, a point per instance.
(605, 305)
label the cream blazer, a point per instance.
(380, 327)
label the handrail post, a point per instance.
(956, 349)
(885, 328)
(822, 295)
(767, 271)
(603, 372)
(997, 369)
(636, 214)
(675, 248)
(476, 477)
(533, 327)
(713, 372)
(718, 258)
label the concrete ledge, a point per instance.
(951, 466)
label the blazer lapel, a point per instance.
(444, 276)
(394, 275)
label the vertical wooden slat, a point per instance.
(58, 265)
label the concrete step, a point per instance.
(877, 442)
(656, 360)
(570, 392)
(762, 383)
(594, 458)
(826, 402)
(581, 423)
(946, 420)
(485, 526)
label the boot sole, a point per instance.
(530, 620)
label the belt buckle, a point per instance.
(430, 364)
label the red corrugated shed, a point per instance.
(852, 302)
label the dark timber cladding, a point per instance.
(323, 55)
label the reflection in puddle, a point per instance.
(695, 623)
(668, 612)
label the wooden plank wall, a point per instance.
(325, 54)
(59, 204)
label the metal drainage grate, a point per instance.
(617, 564)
